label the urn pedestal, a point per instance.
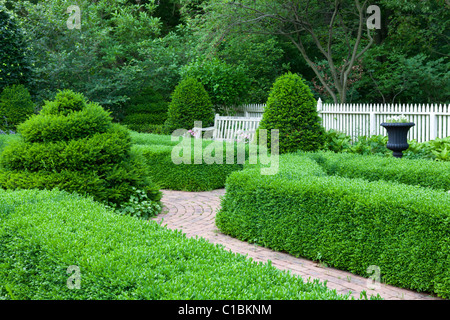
(397, 137)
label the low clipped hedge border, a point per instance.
(349, 224)
(185, 177)
(421, 172)
(119, 257)
(157, 150)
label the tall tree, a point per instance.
(332, 30)
(102, 59)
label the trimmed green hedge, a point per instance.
(119, 257)
(349, 224)
(157, 150)
(419, 172)
(186, 177)
(100, 151)
(61, 127)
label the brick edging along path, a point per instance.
(194, 214)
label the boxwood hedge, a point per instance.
(158, 149)
(349, 224)
(183, 176)
(421, 172)
(45, 232)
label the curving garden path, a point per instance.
(194, 214)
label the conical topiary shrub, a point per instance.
(72, 144)
(190, 102)
(291, 108)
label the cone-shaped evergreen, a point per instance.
(190, 102)
(72, 144)
(291, 108)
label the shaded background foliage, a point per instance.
(127, 45)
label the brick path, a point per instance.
(194, 214)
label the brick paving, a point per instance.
(194, 214)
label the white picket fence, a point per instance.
(431, 120)
(251, 110)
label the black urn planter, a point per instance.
(397, 133)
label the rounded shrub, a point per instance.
(190, 102)
(72, 144)
(15, 106)
(291, 109)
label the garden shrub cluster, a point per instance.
(349, 224)
(418, 172)
(16, 106)
(72, 144)
(193, 176)
(146, 112)
(45, 232)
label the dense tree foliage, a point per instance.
(15, 63)
(124, 46)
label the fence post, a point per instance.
(319, 105)
(433, 126)
(373, 124)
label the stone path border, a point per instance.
(194, 214)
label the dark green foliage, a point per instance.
(423, 173)
(73, 145)
(45, 232)
(15, 64)
(15, 106)
(146, 112)
(291, 109)
(227, 85)
(346, 223)
(144, 118)
(190, 102)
